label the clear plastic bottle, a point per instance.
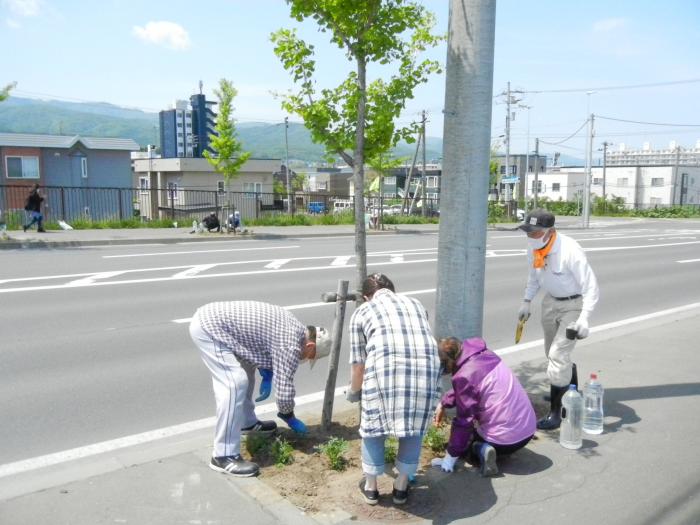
(593, 406)
(571, 419)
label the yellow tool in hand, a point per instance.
(519, 330)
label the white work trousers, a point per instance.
(233, 383)
(556, 316)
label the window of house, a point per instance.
(623, 182)
(503, 170)
(431, 182)
(173, 193)
(597, 181)
(530, 169)
(539, 186)
(556, 186)
(514, 169)
(22, 167)
(432, 196)
(390, 180)
(83, 167)
(220, 186)
(144, 184)
(252, 188)
(655, 200)
(657, 181)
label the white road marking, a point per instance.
(341, 261)
(688, 261)
(277, 264)
(396, 257)
(198, 251)
(191, 272)
(87, 281)
(31, 464)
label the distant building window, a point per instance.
(621, 183)
(514, 169)
(503, 170)
(390, 180)
(22, 167)
(654, 201)
(251, 189)
(431, 182)
(144, 184)
(220, 186)
(597, 181)
(657, 181)
(83, 167)
(555, 186)
(529, 168)
(431, 195)
(173, 192)
(539, 186)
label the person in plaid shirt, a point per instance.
(394, 370)
(235, 338)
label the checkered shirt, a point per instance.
(390, 334)
(262, 334)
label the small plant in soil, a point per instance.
(282, 452)
(257, 445)
(334, 451)
(436, 438)
(391, 449)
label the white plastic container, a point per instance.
(593, 406)
(571, 419)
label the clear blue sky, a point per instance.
(146, 54)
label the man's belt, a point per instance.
(569, 298)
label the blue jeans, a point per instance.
(406, 459)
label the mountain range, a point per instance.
(263, 140)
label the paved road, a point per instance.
(92, 349)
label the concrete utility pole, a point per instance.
(537, 173)
(466, 152)
(587, 180)
(425, 182)
(675, 178)
(290, 209)
(605, 161)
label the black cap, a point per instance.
(537, 220)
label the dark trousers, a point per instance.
(501, 450)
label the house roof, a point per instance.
(28, 140)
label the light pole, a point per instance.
(286, 165)
(589, 160)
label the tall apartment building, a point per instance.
(673, 155)
(185, 129)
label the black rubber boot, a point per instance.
(574, 381)
(553, 419)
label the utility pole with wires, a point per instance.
(290, 208)
(586, 215)
(510, 100)
(536, 189)
(423, 179)
(605, 161)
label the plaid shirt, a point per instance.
(390, 334)
(262, 334)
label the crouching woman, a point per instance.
(494, 415)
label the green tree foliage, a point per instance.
(5, 92)
(356, 119)
(228, 156)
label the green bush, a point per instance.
(282, 452)
(436, 438)
(334, 451)
(257, 445)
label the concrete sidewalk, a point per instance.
(644, 469)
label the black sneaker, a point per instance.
(260, 427)
(371, 496)
(234, 465)
(400, 496)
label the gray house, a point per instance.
(69, 167)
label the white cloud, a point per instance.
(168, 34)
(608, 24)
(22, 7)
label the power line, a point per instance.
(610, 88)
(651, 123)
(572, 135)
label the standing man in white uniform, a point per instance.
(558, 265)
(235, 338)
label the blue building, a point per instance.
(185, 129)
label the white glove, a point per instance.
(581, 326)
(447, 464)
(524, 312)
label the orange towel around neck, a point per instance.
(543, 252)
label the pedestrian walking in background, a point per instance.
(394, 370)
(494, 415)
(33, 206)
(558, 265)
(234, 339)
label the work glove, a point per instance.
(295, 424)
(353, 397)
(265, 384)
(447, 464)
(581, 326)
(524, 312)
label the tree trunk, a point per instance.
(359, 176)
(466, 151)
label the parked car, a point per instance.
(317, 207)
(340, 206)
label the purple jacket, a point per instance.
(486, 392)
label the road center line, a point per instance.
(688, 261)
(191, 252)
